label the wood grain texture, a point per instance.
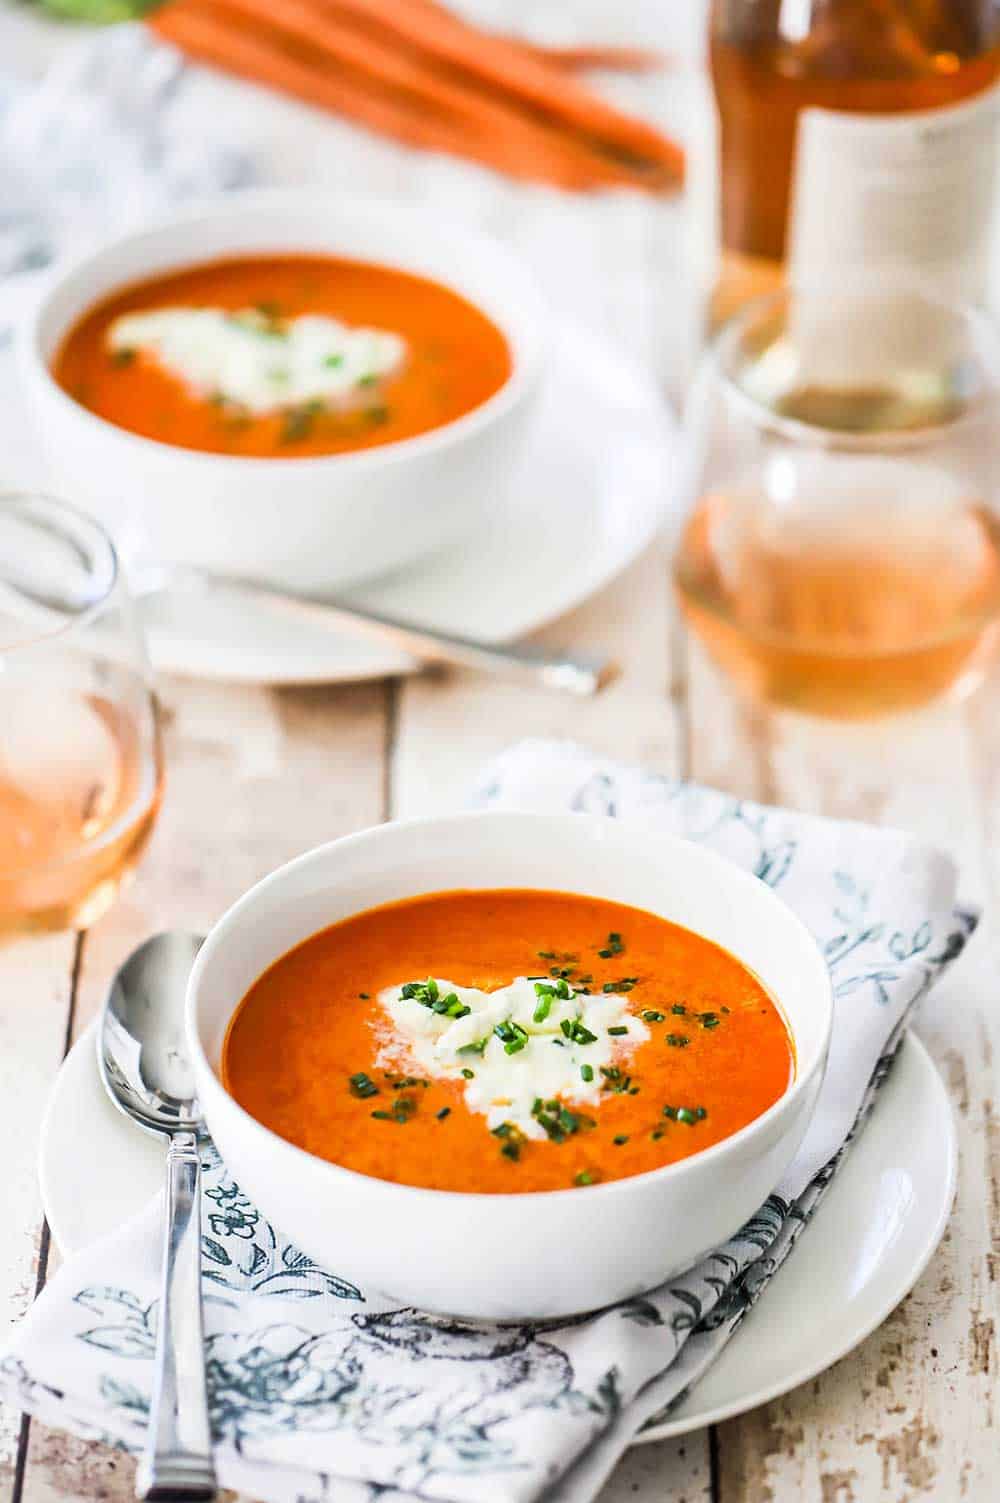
(256, 775)
(907, 1414)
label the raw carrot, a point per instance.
(445, 119)
(538, 85)
(499, 124)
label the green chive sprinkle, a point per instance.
(576, 1032)
(684, 1115)
(362, 1086)
(679, 1009)
(512, 1036)
(469, 1074)
(383, 1116)
(621, 1139)
(649, 1015)
(545, 996)
(678, 1040)
(615, 1032)
(586, 1177)
(444, 1112)
(587, 1073)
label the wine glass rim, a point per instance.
(799, 430)
(37, 505)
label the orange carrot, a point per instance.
(435, 118)
(499, 123)
(499, 65)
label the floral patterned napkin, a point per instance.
(320, 1389)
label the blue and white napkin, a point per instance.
(322, 1390)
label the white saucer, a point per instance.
(889, 1204)
(597, 477)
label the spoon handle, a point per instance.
(581, 674)
(177, 1463)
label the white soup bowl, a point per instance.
(527, 1255)
(311, 523)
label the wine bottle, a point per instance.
(856, 137)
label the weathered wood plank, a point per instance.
(35, 985)
(909, 1414)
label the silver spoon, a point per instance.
(144, 1066)
(579, 673)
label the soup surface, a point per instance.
(506, 1040)
(283, 356)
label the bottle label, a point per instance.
(878, 196)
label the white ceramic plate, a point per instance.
(890, 1205)
(596, 480)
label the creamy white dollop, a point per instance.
(262, 364)
(505, 1086)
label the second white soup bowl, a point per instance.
(518, 1256)
(307, 524)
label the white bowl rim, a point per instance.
(524, 373)
(679, 1170)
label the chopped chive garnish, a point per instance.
(513, 1139)
(614, 946)
(444, 1112)
(383, 1116)
(650, 1015)
(708, 1020)
(333, 361)
(621, 1139)
(615, 1081)
(586, 1177)
(671, 1112)
(576, 1032)
(469, 1074)
(365, 997)
(678, 1040)
(362, 1085)
(657, 1134)
(512, 1036)
(587, 1073)
(546, 996)
(700, 1113)
(623, 984)
(684, 1115)
(546, 954)
(679, 1009)
(614, 1032)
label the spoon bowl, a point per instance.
(140, 1045)
(143, 1062)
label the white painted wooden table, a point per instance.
(256, 775)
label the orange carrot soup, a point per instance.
(508, 1040)
(283, 356)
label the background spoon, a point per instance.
(581, 674)
(144, 1066)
